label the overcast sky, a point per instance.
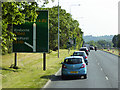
(96, 17)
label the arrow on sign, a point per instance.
(34, 39)
(28, 45)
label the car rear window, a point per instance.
(83, 50)
(73, 61)
(78, 54)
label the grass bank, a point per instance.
(30, 74)
(113, 51)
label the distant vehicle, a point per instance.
(91, 47)
(95, 48)
(74, 66)
(88, 46)
(84, 49)
(83, 54)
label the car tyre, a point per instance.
(85, 76)
(63, 77)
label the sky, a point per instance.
(96, 17)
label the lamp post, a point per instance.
(74, 38)
(58, 29)
(73, 5)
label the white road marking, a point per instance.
(98, 63)
(106, 78)
(101, 69)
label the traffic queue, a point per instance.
(76, 64)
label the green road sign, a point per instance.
(32, 36)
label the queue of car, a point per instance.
(76, 64)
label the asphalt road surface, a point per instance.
(102, 73)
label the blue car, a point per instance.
(83, 54)
(74, 66)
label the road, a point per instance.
(102, 73)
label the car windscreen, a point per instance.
(78, 54)
(73, 61)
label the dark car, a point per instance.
(91, 48)
(84, 49)
(95, 48)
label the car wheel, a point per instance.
(63, 77)
(85, 76)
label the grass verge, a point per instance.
(113, 51)
(30, 74)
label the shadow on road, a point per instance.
(58, 78)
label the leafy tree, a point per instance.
(92, 43)
(15, 13)
(116, 41)
(69, 28)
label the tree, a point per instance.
(15, 13)
(92, 43)
(69, 28)
(101, 43)
(18, 12)
(116, 41)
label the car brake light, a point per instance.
(85, 57)
(63, 66)
(83, 65)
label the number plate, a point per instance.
(74, 72)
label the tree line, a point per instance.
(17, 12)
(106, 44)
(101, 44)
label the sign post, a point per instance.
(44, 61)
(15, 59)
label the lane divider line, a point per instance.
(106, 78)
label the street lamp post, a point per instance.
(59, 24)
(58, 29)
(73, 5)
(70, 16)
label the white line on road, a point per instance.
(101, 69)
(106, 78)
(98, 63)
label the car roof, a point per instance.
(74, 57)
(80, 51)
(83, 47)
